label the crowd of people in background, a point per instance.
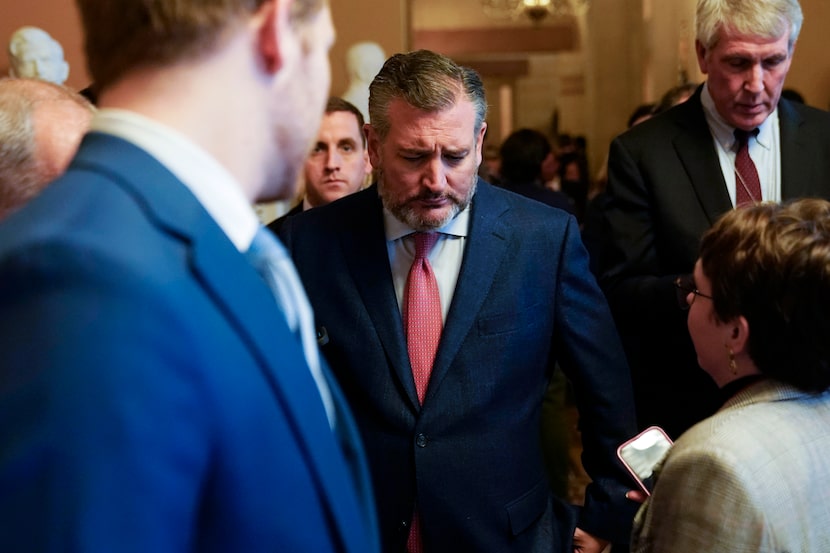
(386, 367)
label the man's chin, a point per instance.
(425, 220)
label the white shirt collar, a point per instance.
(216, 189)
(724, 133)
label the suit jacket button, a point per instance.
(421, 440)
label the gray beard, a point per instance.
(410, 216)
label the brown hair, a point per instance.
(123, 35)
(336, 104)
(770, 263)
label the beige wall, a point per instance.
(57, 17)
(810, 72)
(381, 21)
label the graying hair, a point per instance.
(427, 81)
(22, 174)
(765, 18)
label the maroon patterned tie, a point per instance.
(747, 183)
(422, 323)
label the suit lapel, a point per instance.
(487, 241)
(696, 150)
(368, 262)
(795, 151)
(283, 363)
(240, 294)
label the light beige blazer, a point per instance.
(754, 477)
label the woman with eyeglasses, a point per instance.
(755, 476)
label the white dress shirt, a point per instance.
(764, 149)
(445, 258)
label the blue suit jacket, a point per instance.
(472, 454)
(151, 396)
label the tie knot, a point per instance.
(424, 241)
(742, 136)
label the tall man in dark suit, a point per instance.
(673, 175)
(153, 394)
(455, 448)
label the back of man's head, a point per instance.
(522, 154)
(41, 125)
(127, 35)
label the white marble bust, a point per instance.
(34, 54)
(363, 61)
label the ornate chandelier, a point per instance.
(535, 10)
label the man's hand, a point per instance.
(586, 543)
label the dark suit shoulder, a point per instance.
(786, 108)
(535, 192)
(347, 212)
(518, 212)
(275, 225)
(660, 130)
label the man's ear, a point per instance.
(367, 165)
(373, 144)
(268, 26)
(480, 143)
(700, 50)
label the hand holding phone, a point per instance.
(641, 454)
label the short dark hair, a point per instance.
(336, 104)
(770, 263)
(522, 154)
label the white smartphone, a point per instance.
(641, 454)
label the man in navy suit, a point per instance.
(671, 177)
(152, 396)
(457, 462)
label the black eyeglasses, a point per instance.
(685, 285)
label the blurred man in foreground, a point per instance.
(156, 393)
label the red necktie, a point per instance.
(422, 313)
(422, 323)
(747, 183)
